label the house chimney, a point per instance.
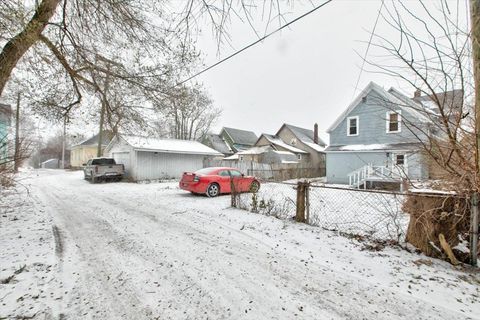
(315, 133)
(417, 93)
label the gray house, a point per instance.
(306, 140)
(378, 137)
(230, 140)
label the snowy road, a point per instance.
(151, 251)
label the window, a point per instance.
(394, 119)
(299, 157)
(224, 173)
(240, 158)
(293, 141)
(235, 173)
(352, 126)
(399, 159)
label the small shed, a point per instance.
(51, 164)
(147, 158)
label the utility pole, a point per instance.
(64, 137)
(475, 21)
(16, 157)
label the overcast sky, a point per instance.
(303, 75)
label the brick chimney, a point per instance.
(315, 133)
(417, 93)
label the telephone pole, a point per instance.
(475, 21)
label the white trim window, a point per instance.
(394, 121)
(400, 159)
(299, 156)
(353, 126)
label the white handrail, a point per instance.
(359, 176)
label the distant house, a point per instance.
(306, 140)
(279, 145)
(148, 158)
(230, 140)
(82, 152)
(216, 142)
(264, 154)
(370, 141)
(5, 116)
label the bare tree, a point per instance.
(187, 113)
(431, 54)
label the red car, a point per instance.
(216, 180)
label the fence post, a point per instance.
(307, 202)
(474, 230)
(233, 193)
(300, 215)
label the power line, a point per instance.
(368, 47)
(254, 43)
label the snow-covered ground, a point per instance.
(378, 215)
(151, 251)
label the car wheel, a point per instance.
(254, 186)
(213, 190)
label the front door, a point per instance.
(399, 165)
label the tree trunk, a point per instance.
(14, 50)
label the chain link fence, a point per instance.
(374, 214)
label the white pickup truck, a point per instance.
(98, 169)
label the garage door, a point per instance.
(123, 158)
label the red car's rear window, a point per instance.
(204, 171)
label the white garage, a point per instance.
(148, 158)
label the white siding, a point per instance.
(124, 158)
(158, 165)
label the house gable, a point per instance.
(372, 109)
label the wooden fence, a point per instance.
(270, 172)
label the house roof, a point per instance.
(241, 136)
(93, 141)
(255, 150)
(305, 136)
(169, 145)
(375, 147)
(451, 100)
(219, 144)
(408, 105)
(280, 143)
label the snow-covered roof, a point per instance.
(302, 134)
(376, 147)
(169, 145)
(315, 146)
(280, 143)
(255, 150)
(409, 107)
(232, 157)
(93, 141)
(239, 136)
(218, 143)
(283, 152)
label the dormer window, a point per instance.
(352, 126)
(293, 141)
(394, 121)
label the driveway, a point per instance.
(152, 251)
